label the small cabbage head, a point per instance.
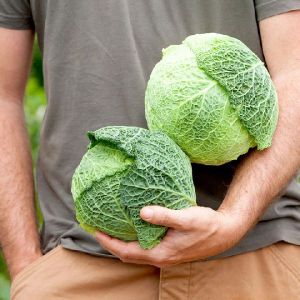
(125, 169)
(214, 97)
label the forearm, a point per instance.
(19, 236)
(263, 174)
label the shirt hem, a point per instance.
(15, 22)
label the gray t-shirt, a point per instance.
(97, 58)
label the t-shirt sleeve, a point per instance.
(268, 8)
(16, 14)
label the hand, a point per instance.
(194, 233)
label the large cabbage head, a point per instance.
(213, 96)
(125, 169)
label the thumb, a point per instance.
(164, 216)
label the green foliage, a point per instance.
(4, 287)
(214, 97)
(4, 280)
(125, 169)
(35, 103)
(37, 66)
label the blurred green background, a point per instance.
(35, 104)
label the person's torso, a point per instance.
(97, 58)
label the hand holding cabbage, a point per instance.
(194, 233)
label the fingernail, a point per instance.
(147, 213)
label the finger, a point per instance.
(177, 219)
(131, 251)
(113, 245)
(124, 250)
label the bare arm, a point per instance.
(264, 174)
(19, 237)
(200, 232)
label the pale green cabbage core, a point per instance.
(213, 97)
(125, 169)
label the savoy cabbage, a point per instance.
(214, 97)
(125, 169)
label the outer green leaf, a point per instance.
(95, 188)
(161, 175)
(244, 77)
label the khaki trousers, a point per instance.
(269, 273)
